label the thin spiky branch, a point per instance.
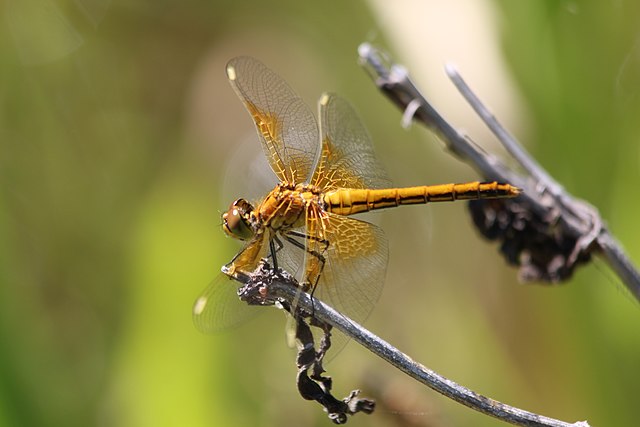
(546, 231)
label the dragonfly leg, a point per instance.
(274, 250)
(319, 255)
(294, 233)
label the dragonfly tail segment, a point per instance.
(347, 201)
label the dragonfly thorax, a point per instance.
(286, 205)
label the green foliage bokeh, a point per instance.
(116, 126)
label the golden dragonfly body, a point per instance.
(304, 223)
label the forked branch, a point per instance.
(546, 231)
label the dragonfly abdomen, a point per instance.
(348, 201)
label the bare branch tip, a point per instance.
(365, 49)
(451, 70)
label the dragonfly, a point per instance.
(327, 172)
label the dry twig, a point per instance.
(268, 287)
(546, 231)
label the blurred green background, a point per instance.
(117, 129)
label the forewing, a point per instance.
(286, 126)
(248, 258)
(347, 159)
(219, 307)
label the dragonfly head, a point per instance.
(236, 222)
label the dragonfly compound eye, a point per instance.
(235, 221)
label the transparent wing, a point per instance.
(286, 126)
(347, 159)
(291, 257)
(355, 261)
(248, 258)
(219, 307)
(355, 266)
